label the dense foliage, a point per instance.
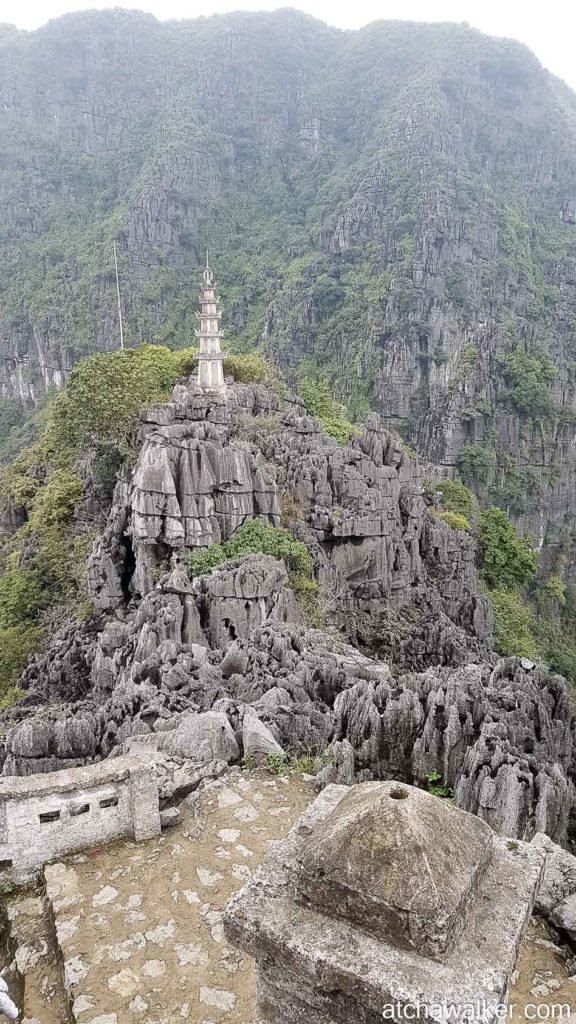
(455, 520)
(508, 561)
(455, 497)
(251, 368)
(316, 204)
(513, 624)
(100, 406)
(307, 265)
(317, 398)
(528, 378)
(252, 538)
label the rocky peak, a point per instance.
(169, 642)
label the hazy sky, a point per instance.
(548, 28)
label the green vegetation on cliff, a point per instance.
(317, 398)
(256, 538)
(507, 560)
(85, 433)
(315, 203)
(88, 426)
(534, 613)
(426, 273)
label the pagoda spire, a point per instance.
(210, 369)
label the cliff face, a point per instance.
(395, 206)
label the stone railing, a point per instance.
(47, 816)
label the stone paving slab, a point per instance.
(140, 924)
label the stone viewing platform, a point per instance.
(122, 931)
(384, 897)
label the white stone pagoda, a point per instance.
(210, 370)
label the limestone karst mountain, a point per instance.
(391, 213)
(179, 628)
(396, 206)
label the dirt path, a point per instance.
(543, 979)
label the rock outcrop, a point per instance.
(209, 464)
(501, 738)
(381, 898)
(557, 894)
(169, 647)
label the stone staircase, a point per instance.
(38, 959)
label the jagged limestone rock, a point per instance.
(205, 738)
(556, 898)
(257, 740)
(203, 470)
(473, 724)
(391, 578)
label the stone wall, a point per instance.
(48, 816)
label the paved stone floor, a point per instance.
(542, 979)
(140, 925)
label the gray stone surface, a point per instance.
(178, 778)
(397, 862)
(257, 740)
(327, 970)
(395, 580)
(206, 737)
(206, 466)
(50, 815)
(169, 817)
(501, 737)
(557, 894)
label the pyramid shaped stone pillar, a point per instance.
(385, 903)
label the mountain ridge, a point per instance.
(392, 209)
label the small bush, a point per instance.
(104, 396)
(528, 378)
(256, 537)
(20, 596)
(17, 643)
(477, 463)
(291, 511)
(185, 361)
(307, 764)
(435, 786)
(454, 520)
(318, 401)
(455, 497)
(203, 560)
(308, 599)
(553, 589)
(252, 538)
(54, 504)
(10, 696)
(507, 560)
(513, 625)
(251, 368)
